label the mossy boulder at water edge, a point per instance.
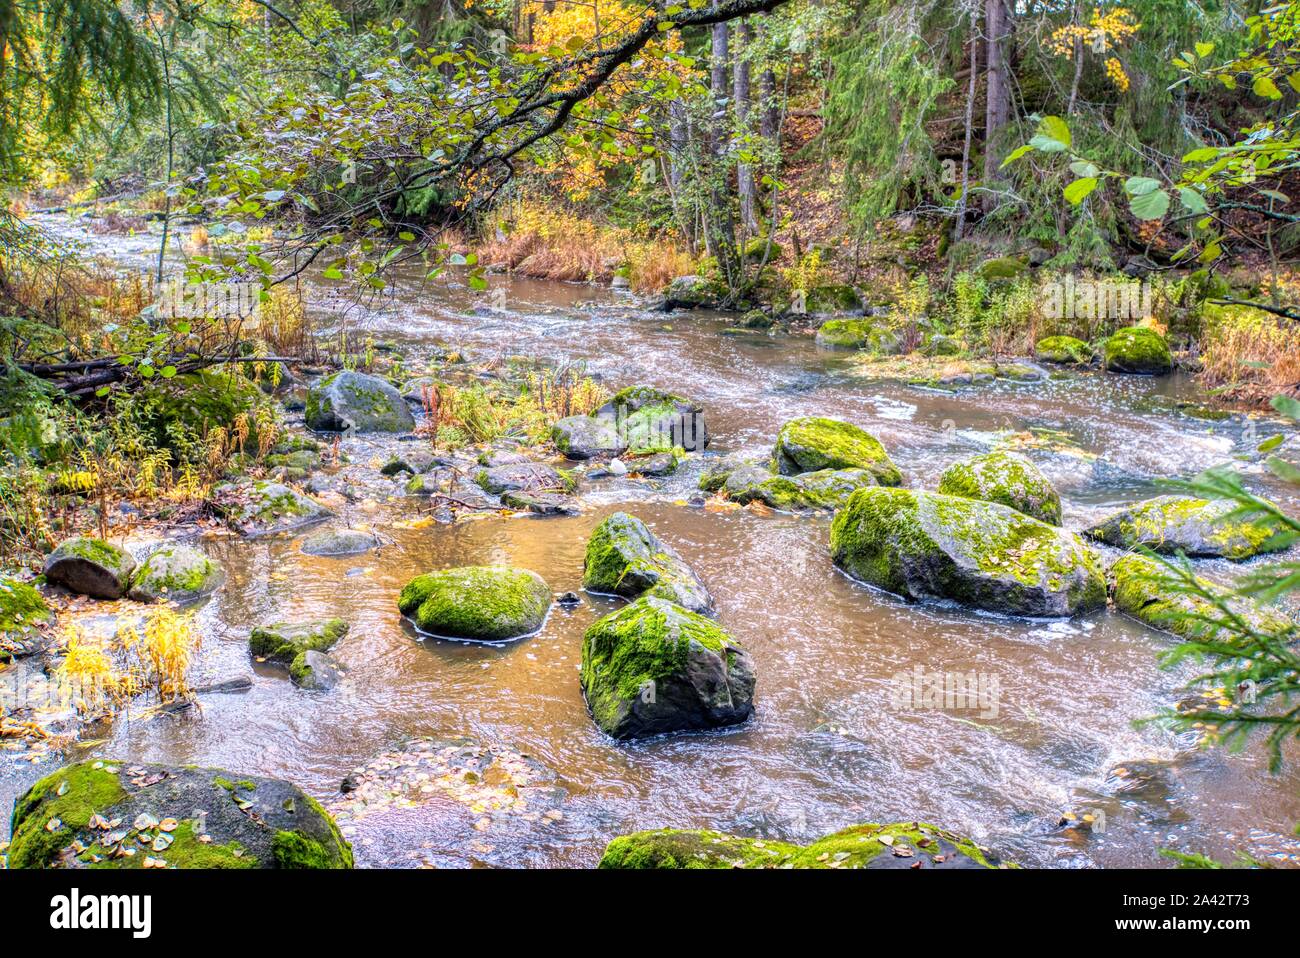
(653, 667)
(112, 814)
(1065, 350)
(625, 558)
(927, 545)
(1138, 349)
(315, 671)
(872, 335)
(264, 508)
(651, 420)
(23, 611)
(1153, 594)
(1195, 527)
(176, 573)
(481, 603)
(909, 845)
(823, 491)
(587, 437)
(814, 443)
(1005, 477)
(284, 641)
(91, 567)
(354, 401)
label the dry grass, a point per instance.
(1249, 355)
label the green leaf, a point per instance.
(1271, 443)
(1265, 87)
(1192, 201)
(1016, 154)
(478, 283)
(167, 372)
(1077, 191)
(1284, 470)
(1201, 155)
(333, 273)
(1140, 185)
(1287, 406)
(1204, 49)
(1150, 206)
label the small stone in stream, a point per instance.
(657, 464)
(586, 437)
(339, 542)
(617, 468)
(540, 503)
(501, 457)
(1137, 350)
(568, 599)
(814, 443)
(521, 477)
(90, 567)
(414, 461)
(481, 603)
(283, 641)
(1195, 527)
(241, 684)
(315, 671)
(176, 573)
(263, 508)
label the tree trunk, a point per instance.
(998, 106)
(962, 199)
(744, 171)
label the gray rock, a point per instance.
(354, 401)
(263, 508)
(90, 567)
(339, 542)
(625, 558)
(315, 671)
(586, 437)
(1196, 527)
(177, 573)
(540, 503)
(520, 477)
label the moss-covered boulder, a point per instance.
(927, 545)
(315, 671)
(23, 611)
(823, 491)
(91, 567)
(191, 405)
(1137, 349)
(1195, 527)
(814, 443)
(716, 472)
(651, 420)
(872, 335)
(1005, 477)
(352, 401)
(833, 298)
(176, 573)
(283, 642)
(1148, 591)
(339, 542)
(112, 814)
(1064, 350)
(264, 508)
(587, 437)
(908, 845)
(480, 603)
(653, 667)
(625, 558)
(1002, 268)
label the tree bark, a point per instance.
(998, 90)
(745, 188)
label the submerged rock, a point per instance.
(339, 542)
(1144, 589)
(482, 603)
(90, 567)
(111, 814)
(315, 671)
(901, 845)
(263, 508)
(654, 667)
(23, 611)
(1195, 527)
(1065, 350)
(625, 558)
(1005, 477)
(823, 491)
(284, 641)
(178, 573)
(1138, 349)
(354, 401)
(923, 545)
(587, 437)
(814, 443)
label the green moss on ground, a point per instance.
(1007, 478)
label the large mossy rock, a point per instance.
(265, 508)
(822, 491)
(814, 443)
(1195, 527)
(111, 814)
(23, 611)
(927, 545)
(651, 420)
(1137, 349)
(283, 642)
(1146, 590)
(653, 667)
(625, 558)
(91, 567)
(176, 573)
(1064, 350)
(1005, 477)
(354, 401)
(908, 845)
(872, 335)
(480, 603)
(587, 437)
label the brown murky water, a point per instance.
(826, 749)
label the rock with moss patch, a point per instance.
(522, 477)
(716, 472)
(1002, 268)
(653, 667)
(339, 542)
(1195, 527)
(587, 437)
(871, 335)
(91, 567)
(352, 401)
(479, 603)
(1137, 349)
(656, 464)
(1154, 595)
(541, 503)
(814, 443)
(176, 573)
(1063, 350)
(23, 612)
(909, 845)
(282, 642)
(823, 491)
(625, 558)
(170, 817)
(1005, 477)
(833, 298)
(927, 545)
(265, 508)
(315, 671)
(651, 420)
(691, 292)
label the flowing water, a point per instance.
(825, 748)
